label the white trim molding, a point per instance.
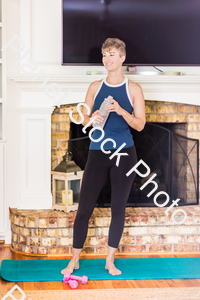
(172, 88)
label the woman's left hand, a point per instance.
(115, 107)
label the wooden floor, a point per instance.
(5, 253)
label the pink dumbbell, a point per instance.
(83, 279)
(72, 283)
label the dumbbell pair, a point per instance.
(72, 280)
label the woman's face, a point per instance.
(111, 59)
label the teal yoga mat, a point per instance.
(132, 268)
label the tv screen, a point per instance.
(156, 32)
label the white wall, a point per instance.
(11, 164)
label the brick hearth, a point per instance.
(49, 232)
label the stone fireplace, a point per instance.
(173, 152)
(38, 230)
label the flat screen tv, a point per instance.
(156, 32)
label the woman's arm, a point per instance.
(89, 100)
(139, 119)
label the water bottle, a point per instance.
(105, 113)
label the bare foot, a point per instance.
(71, 266)
(112, 269)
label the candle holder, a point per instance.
(67, 178)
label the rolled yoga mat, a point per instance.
(132, 268)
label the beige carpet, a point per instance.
(190, 293)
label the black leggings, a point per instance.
(97, 171)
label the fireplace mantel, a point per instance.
(33, 109)
(172, 88)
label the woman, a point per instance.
(127, 96)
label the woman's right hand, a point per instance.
(99, 119)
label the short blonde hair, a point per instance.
(114, 43)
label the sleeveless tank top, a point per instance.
(116, 127)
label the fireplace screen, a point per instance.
(173, 157)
